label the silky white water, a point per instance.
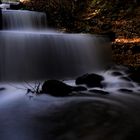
(30, 51)
(86, 116)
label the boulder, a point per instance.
(58, 88)
(90, 80)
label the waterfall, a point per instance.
(29, 50)
(23, 20)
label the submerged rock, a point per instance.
(99, 91)
(125, 90)
(91, 80)
(116, 73)
(2, 88)
(58, 88)
(125, 78)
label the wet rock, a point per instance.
(135, 76)
(125, 90)
(116, 73)
(99, 91)
(125, 78)
(91, 80)
(2, 88)
(79, 88)
(16, 5)
(58, 88)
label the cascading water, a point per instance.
(30, 52)
(23, 20)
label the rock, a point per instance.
(79, 88)
(135, 76)
(91, 80)
(116, 73)
(16, 5)
(125, 78)
(56, 88)
(99, 91)
(125, 90)
(2, 88)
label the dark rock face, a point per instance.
(58, 88)
(91, 80)
(99, 91)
